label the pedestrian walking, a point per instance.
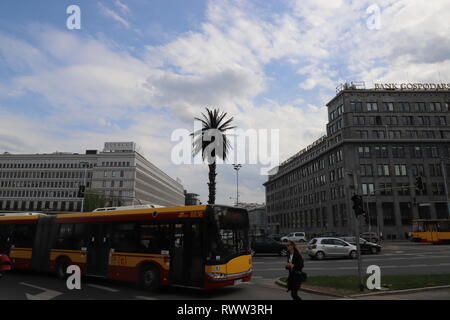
(294, 266)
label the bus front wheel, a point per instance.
(150, 278)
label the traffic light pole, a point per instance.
(84, 183)
(358, 246)
(444, 174)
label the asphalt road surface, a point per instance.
(27, 286)
(396, 258)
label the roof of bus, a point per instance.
(179, 211)
(133, 211)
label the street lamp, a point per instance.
(237, 167)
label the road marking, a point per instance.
(146, 298)
(102, 287)
(48, 294)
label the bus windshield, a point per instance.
(227, 234)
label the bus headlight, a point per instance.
(217, 275)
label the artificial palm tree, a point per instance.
(212, 142)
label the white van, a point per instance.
(294, 236)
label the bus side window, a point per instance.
(63, 241)
(23, 235)
(79, 236)
(125, 237)
(148, 238)
(164, 237)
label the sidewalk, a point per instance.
(429, 293)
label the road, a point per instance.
(26, 286)
(396, 258)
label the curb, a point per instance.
(400, 291)
(283, 284)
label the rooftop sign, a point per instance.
(412, 86)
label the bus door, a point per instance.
(98, 250)
(186, 254)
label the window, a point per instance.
(398, 152)
(400, 169)
(367, 188)
(366, 170)
(383, 170)
(372, 106)
(125, 237)
(23, 235)
(153, 237)
(71, 236)
(388, 213)
(356, 106)
(388, 106)
(364, 152)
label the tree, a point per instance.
(93, 200)
(212, 142)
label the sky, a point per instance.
(139, 70)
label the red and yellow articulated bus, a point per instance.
(194, 246)
(431, 230)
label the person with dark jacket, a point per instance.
(295, 267)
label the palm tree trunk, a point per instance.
(212, 183)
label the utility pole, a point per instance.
(358, 207)
(237, 167)
(444, 174)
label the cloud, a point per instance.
(106, 92)
(107, 12)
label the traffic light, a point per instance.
(419, 183)
(81, 190)
(358, 205)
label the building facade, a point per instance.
(191, 199)
(49, 182)
(258, 220)
(377, 143)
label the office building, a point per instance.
(377, 143)
(50, 182)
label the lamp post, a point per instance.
(237, 167)
(85, 164)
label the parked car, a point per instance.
(366, 246)
(5, 263)
(320, 248)
(371, 237)
(276, 237)
(263, 244)
(294, 236)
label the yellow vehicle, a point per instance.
(195, 246)
(431, 230)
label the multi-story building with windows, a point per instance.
(49, 182)
(379, 141)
